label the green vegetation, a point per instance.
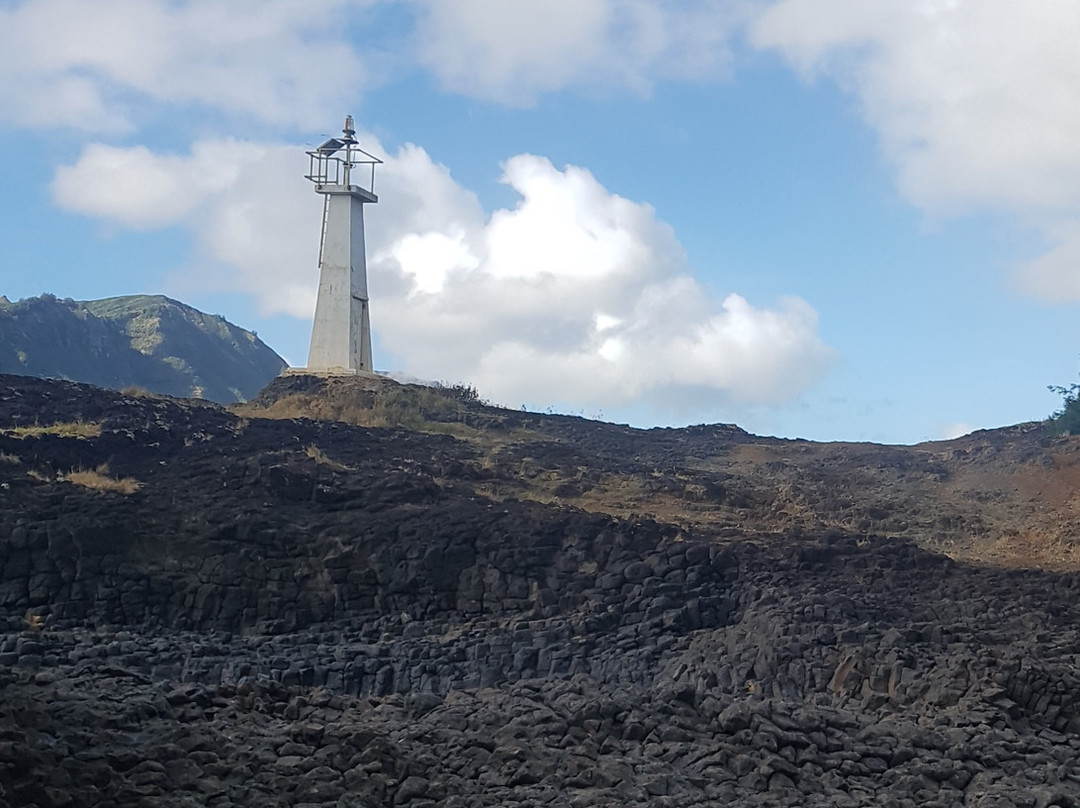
(144, 340)
(1066, 421)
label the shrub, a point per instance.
(1066, 421)
(464, 393)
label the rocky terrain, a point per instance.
(146, 341)
(1005, 496)
(484, 607)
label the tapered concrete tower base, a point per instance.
(341, 333)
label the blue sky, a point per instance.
(837, 219)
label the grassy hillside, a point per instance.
(147, 341)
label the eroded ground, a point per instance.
(498, 608)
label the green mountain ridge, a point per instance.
(148, 341)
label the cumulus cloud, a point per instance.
(142, 190)
(582, 295)
(512, 50)
(243, 202)
(85, 65)
(576, 295)
(88, 66)
(975, 102)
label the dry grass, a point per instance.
(99, 480)
(430, 410)
(69, 429)
(320, 457)
(137, 391)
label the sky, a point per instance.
(849, 220)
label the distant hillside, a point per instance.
(148, 341)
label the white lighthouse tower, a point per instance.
(341, 333)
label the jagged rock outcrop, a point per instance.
(147, 341)
(298, 612)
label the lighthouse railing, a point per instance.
(327, 169)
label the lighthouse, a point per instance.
(344, 174)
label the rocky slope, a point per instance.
(208, 609)
(146, 341)
(1006, 496)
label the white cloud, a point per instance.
(90, 66)
(576, 295)
(1055, 276)
(246, 203)
(975, 101)
(87, 65)
(953, 431)
(143, 190)
(512, 50)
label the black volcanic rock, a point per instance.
(298, 612)
(147, 341)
